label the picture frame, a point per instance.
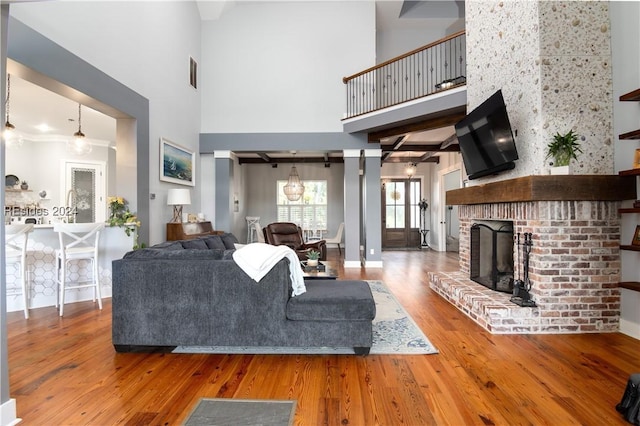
(636, 159)
(177, 163)
(636, 237)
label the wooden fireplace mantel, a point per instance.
(547, 188)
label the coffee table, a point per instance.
(324, 271)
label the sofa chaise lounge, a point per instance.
(192, 293)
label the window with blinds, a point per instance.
(310, 211)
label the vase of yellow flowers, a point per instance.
(119, 215)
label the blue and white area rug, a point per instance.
(394, 332)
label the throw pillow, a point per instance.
(229, 240)
(214, 242)
(194, 244)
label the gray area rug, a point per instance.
(394, 332)
(224, 412)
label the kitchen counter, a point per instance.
(41, 267)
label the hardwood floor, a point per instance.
(65, 371)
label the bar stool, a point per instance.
(252, 235)
(78, 241)
(16, 237)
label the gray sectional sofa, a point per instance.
(192, 293)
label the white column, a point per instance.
(352, 209)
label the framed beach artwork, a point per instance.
(177, 163)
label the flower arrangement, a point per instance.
(121, 216)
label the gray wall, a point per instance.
(261, 190)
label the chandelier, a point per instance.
(294, 188)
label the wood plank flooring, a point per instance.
(65, 371)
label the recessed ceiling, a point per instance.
(39, 113)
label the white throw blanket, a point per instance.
(257, 259)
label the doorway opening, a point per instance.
(401, 213)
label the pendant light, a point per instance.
(11, 138)
(79, 145)
(294, 187)
(410, 169)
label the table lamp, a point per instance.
(177, 197)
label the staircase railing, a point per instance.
(438, 66)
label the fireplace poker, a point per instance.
(517, 285)
(521, 296)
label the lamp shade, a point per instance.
(178, 197)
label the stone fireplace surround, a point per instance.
(574, 263)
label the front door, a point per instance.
(401, 213)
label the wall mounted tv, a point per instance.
(486, 140)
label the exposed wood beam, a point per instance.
(398, 143)
(275, 160)
(423, 148)
(430, 124)
(264, 156)
(449, 142)
(433, 159)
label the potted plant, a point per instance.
(312, 257)
(24, 185)
(562, 149)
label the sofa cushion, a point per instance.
(194, 244)
(152, 253)
(229, 240)
(214, 242)
(331, 300)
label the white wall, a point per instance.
(625, 46)
(40, 164)
(448, 162)
(396, 42)
(146, 46)
(278, 66)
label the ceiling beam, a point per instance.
(432, 159)
(423, 148)
(430, 124)
(264, 156)
(300, 160)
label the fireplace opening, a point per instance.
(491, 257)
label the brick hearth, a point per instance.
(574, 265)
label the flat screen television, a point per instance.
(486, 140)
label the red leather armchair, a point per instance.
(290, 234)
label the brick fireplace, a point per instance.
(574, 263)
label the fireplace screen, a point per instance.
(492, 255)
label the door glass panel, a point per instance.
(414, 200)
(83, 183)
(395, 208)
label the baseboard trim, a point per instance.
(630, 328)
(373, 264)
(8, 413)
(352, 264)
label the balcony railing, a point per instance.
(432, 68)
